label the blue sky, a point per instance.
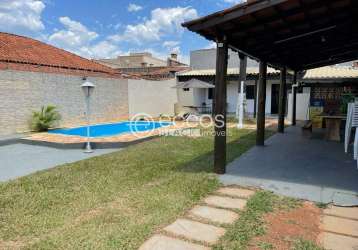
(107, 28)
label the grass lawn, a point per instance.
(114, 201)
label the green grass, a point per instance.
(265, 246)
(321, 205)
(306, 245)
(114, 201)
(247, 121)
(251, 223)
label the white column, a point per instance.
(241, 106)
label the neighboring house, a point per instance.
(136, 61)
(202, 63)
(133, 60)
(158, 73)
(33, 74)
(144, 65)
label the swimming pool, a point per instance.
(112, 129)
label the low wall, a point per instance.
(24, 92)
(152, 97)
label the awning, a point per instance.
(194, 84)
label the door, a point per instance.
(275, 92)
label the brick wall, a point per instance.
(23, 92)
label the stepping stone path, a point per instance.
(225, 202)
(204, 224)
(196, 231)
(340, 228)
(222, 216)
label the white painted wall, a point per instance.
(302, 104)
(250, 105)
(185, 98)
(195, 97)
(152, 97)
(199, 97)
(232, 96)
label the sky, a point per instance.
(108, 28)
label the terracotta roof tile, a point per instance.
(331, 72)
(23, 53)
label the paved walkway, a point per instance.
(294, 166)
(340, 228)
(19, 159)
(204, 224)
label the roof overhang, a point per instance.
(298, 34)
(194, 84)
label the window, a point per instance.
(186, 89)
(250, 92)
(210, 93)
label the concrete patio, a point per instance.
(20, 159)
(292, 165)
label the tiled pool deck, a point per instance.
(122, 138)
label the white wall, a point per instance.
(152, 97)
(250, 105)
(302, 105)
(232, 96)
(199, 96)
(206, 59)
(195, 97)
(185, 98)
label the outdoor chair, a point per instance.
(352, 122)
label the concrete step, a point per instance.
(196, 231)
(236, 192)
(340, 225)
(346, 212)
(160, 242)
(332, 241)
(225, 202)
(214, 214)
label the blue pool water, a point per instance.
(106, 130)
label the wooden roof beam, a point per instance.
(230, 14)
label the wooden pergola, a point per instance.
(293, 35)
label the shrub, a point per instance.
(44, 119)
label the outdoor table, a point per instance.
(333, 124)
